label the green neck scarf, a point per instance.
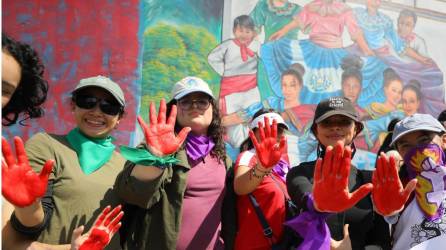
(91, 153)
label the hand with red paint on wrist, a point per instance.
(388, 194)
(20, 184)
(330, 189)
(160, 134)
(107, 224)
(268, 150)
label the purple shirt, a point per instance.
(203, 198)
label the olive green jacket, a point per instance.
(153, 213)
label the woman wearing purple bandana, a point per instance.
(260, 175)
(419, 219)
(322, 188)
(176, 182)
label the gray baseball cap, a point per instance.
(189, 85)
(104, 83)
(416, 122)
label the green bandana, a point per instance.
(91, 153)
(143, 157)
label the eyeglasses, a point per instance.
(201, 104)
(106, 106)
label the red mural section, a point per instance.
(78, 39)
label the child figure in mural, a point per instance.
(236, 61)
(324, 21)
(406, 24)
(381, 36)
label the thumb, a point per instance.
(409, 188)
(77, 233)
(346, 233)
(360, 193)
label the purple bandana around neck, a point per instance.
(311, 226)
(281, 169)
(198, 146)
(427, 164)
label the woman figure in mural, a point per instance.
(321, 54)
(393, 87)
(235, 60)
(174, 183)
(72, 189)
(411, 97)
(259, 177)
(381, 36)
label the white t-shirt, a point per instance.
(412, 228)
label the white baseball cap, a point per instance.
(189, 85)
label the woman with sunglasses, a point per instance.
(175, 182)
(321, 188)
(84, 169)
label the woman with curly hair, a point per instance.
(23, 87)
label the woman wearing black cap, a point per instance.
(78, 169)
(322, 188)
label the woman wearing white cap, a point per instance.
(176, 182)
(77, 183)
(259, 183)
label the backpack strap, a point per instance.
(267, 231)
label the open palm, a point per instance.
(20, 184)
(330, 189)
(160, 134)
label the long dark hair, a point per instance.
(351, 65)
(32, 89)
(215, 129)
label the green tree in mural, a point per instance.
(171, 53)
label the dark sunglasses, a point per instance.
(106, 106)
(201, 104)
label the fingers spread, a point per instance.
(162, 111)
(20, 150)
(172, 115)
(152, 114)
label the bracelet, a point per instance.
(264, 173)
(143, 157)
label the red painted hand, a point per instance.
(160, 135)
(107, 224)
(330, 189)
(388, 193)
(268, 150)
(20, 184)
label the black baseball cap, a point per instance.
(335, 106)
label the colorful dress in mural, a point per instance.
(388, 46)
(265, 14)
(321, 53)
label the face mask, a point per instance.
(426, 163)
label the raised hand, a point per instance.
(330, 189)
(388, 193)
(20, 184)
(160, 134)
(107, 224)
(268, 150)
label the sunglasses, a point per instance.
(106, 106)
(201, 104)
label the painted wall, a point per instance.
(148, 45)
(78, 39)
